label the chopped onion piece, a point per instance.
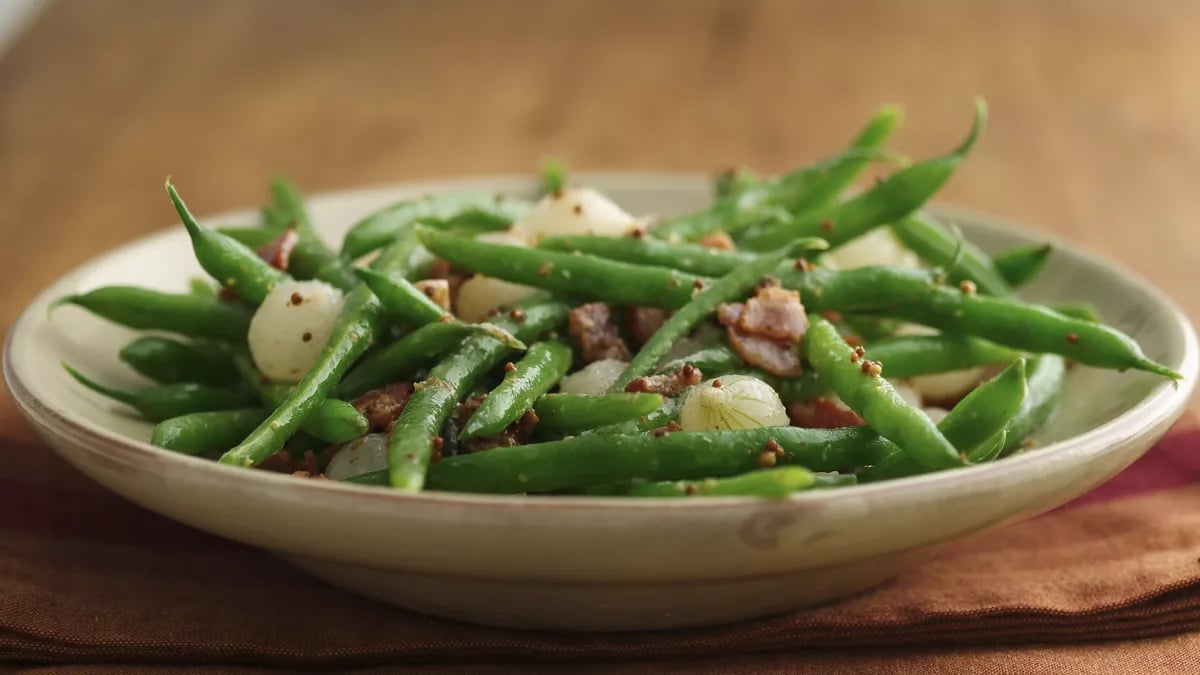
(594, 378)
(359, 456)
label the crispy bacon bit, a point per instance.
(644, 322)
(592, 330)
(667, 384)
(689, 489)
(773, 356)
(718, 240)
(278, 252)
(382, 406)
(442, 269)
(308, 474)
(774, 313)
(821, 413)
(437, 290)
(280, 462)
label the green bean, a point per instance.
(655, 419)
(332, 421)
(1046, 380)
(146, 309)
(869, 328)
(573, 413)
(812, 187)
(692, 258)
(728, 287)
(961, 259)
(411, 441)
(403, 300)
(402, 358)
(566, 273)
(1078, 310)
(874, 399)
(482, 210)
(201, 288)
(169, 361)
(253, 238)
(554, 176)
(899, 195)
(913, 355)
(204, 433)
(1020, 264)
(535, 374)
(804, 387)
(972, 426)
(905, 294)
(231, 263)
(712, 361)
(356, 329)
(310, 259)
(765, 483)
(165, 401)
(825, 479)
(598, 459)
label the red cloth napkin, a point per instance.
(92, 582)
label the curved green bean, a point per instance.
(480, 210)
(1020, 264)
(712, 361)
(231, 263)
(598, 459)
(913, 296)
(913, 355)
(538, 371)
(1047, 378)
(205, 433)
(899, 195)
(1078, 310)
(976, 426)
(253, 238)
(737, 282)
(145, 309)
(566, 273)
(403, 300)
(165, 401)
(812, 187)
(169, 361)
(332, 421)
(961, 259)
(874, 399)
(402, 358)
(573, 413)
(411, 441)
(687, 257)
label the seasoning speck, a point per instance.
(296, 298)
(802, 265)
(545, 269)
(689, 489)
(1072, 338)
(767, 460)
(517, 314)
(967, 287)
(307, 337)
(509, 367)
(827, 225)
(577, 209)
(716, 384)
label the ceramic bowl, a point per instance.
(575, 563)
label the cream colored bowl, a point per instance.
(577, 563)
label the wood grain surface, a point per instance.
(1093, 135)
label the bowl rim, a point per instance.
(1163, 403)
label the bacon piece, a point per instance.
(455, 277)
(777, 357)
(591, 328)
(278, 253)
(774, 313)
(667, 384)
(718, 240)
(382, 406)
(437, 290)
(644, 322)
(821, 413)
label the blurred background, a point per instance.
(1093, 133)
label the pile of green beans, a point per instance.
(477, 407)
